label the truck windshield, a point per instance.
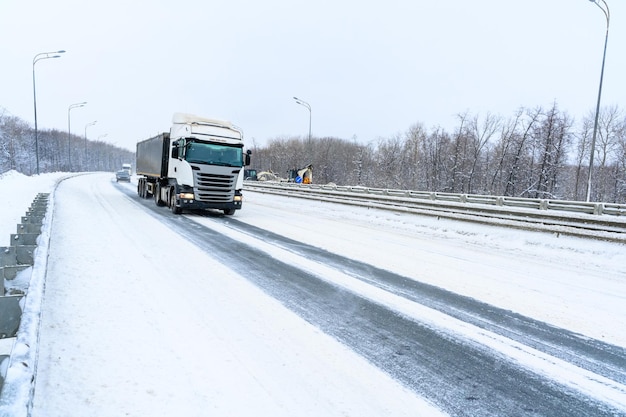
(213, 154)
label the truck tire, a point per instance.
(141, 188)
(229, 212)
(175, 210)
(157, 196)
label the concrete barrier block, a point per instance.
(10, 272)
(29, 228)
(10, 315)
(4, 360)
(20, 239)
(17, 279)
(35, 217)
(32, 219)
(25, 254)
(8, 256)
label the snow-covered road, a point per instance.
(139, 321)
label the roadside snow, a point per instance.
(573, 283)
(19, 191)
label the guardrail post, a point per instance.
(598, 209)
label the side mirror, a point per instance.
(246, 159)
(175, 150)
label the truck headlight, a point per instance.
(238, 198)
(186, 196)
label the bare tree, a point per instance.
(460, 144)
(552, 137)
(583, 139)
(480, 135)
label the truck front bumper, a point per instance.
(192, 204)
(203, 205)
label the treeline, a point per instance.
(536, 153)
(57, 151)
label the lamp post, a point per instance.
(308, 106)
(86, 126)
(607, 14)
(69, 135)
(37, 58)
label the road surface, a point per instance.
(271, 311)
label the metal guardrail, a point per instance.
(596, 208)
(590, 219)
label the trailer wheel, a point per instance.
(141, 188)
(175, 210)
(144, 189)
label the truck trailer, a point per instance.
(197, 165)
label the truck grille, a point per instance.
(214, 188)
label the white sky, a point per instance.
(368, 69)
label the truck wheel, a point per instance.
(175, 210)
(157, 196)
(141, 188)
(229, 212)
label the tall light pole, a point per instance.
(605, 9)
(86, 126)
(308, 106)
(37, 58)
(69, 135)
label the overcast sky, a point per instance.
(369, 69)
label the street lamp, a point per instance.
(37, 58)
(607, 14)
(69, 146)
(86, 126)
(308, 106)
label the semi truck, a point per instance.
(197, 165)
